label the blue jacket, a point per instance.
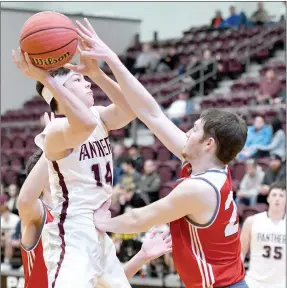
(233, 20)
(260, 137)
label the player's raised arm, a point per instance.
(116, 115)
(245, 236)
(29, 205)
(139, 99)
(191, 197)
(81, 121)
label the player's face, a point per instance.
(81, 88)
(195, 144)
(277, 199)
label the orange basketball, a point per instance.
(50, 39)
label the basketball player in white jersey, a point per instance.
(264, 234)
(79, 159)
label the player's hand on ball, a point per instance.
(96, 48)
(156, 244)
(23, 62)
(87, 66)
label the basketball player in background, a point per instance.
(264, 234)
(201, 208)
(79, 158)
(34, 206)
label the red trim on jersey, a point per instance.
(35, 271)
(62, 218)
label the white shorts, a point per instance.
(81, 256)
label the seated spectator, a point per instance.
(260, 16)
(281, 97)
(217, 20)
(258, 134)
(270, 87)
(233, 20)
(178, 109)
(145, 59)
(130, 175)
(13, 197)
(250, 184)
(168, 62)
(278, 142)
(9, 223)
(134, 154)
(118, 153)
(275, 173)
(129, 198)
(150, 181)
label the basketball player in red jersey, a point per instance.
(201, 209)
(34, 204)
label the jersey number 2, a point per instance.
(97, 174)
(232, 227)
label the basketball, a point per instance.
(50, 39)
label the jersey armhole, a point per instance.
(210, 222)
(44, 218)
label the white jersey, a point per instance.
(76, 181)
(267, 266)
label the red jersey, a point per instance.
(209, 255)
(35, 271)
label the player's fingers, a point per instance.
(85, 37)
(152, 234)
(83, 29)
(168, 241)
(90, 27)
(27, 58)
(15, 59)
(71, 67)
(164, 234)
(52, 116)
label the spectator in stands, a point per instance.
(118, 153)
(260, 16)
(13, 193)
(270, 87)
(130, 175)
(233, 20)
(145, 59)
(135, 155)
(258, 134)
(275, 173)
(179, 108)
(278, 142)
(129, 198)
(150, 181)
(9, 222)
(2, 192)
(250, 184)
(217, 20)
(168, 62)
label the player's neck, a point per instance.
(201, 165)
(276, 215)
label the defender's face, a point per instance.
(81, 88)
(277, 199)
(194, 146)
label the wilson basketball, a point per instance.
(50, 39)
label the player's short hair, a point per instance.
(32, 161)
(39, 86)
(277, 185)
(229, 131)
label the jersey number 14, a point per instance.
(96, 168)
